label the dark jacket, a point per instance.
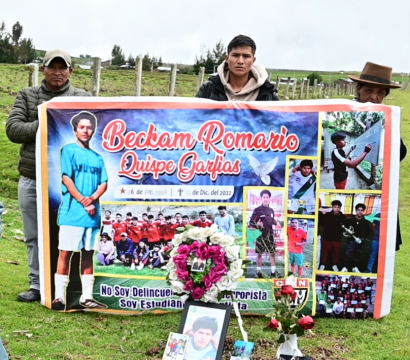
(22, 124)
(214, 90)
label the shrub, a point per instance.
(314, 75)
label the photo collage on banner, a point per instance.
(349, 213)
(278, 180)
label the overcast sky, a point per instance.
(330, 35)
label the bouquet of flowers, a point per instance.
(285, 317)
(222, 265)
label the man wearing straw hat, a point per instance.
(373, 85)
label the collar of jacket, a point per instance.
(64, 88)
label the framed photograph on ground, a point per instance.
(176, 346)
(206, 324)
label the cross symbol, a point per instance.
(180, 191)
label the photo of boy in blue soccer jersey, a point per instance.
(84, 181)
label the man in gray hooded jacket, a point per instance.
(239, 78)
(21, 128)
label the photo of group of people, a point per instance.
(349, 228)
(140, 240)
(347, 297)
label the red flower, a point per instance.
(207, 282)
(183, 275)
(184, 250)
(189, 286)
(274, 324)
(202, 251)
(287, 290)
(293, 296)
(306, 323)
(198, 293)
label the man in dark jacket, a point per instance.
(239, 78)
(21, 128)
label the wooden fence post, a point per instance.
(307, 88)
(320, 90)
(33, 75)
(138, 75)
(172, 80)
(287, 88)
(404, 88)
(294, 88)
(96, 76)
(331, 90)
(314, 88)
(301, 88)
(337, 89)
(200, 77)
(277, 83)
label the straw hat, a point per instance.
(375, 74)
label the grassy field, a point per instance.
(31, 331)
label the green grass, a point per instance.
(86, 335)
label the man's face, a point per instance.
(294, 224)
(306, 170)
(134, 222)
(119, 218)
(144, 217)
(360, 212)
(107, 214)
(123, 238)
(202, 338)
(185, 221)
(370, 93)
(265, 200)
(56, 74)
(336, 209)
(161, 217)
(85, 130)
(178, 218)
(150, 221)
(341, 143)
(222, 212)
(240, 60)
(202, 217)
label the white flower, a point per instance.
(232, 252)
(216, 238)
(235, 274)
(236, 265)
(177, 286)
(212, 294)
(226, 284)
(226, 240)
(235, 270)
(177, 240)
(173, 275)
(208, 231)
(173, 253)
(184, 298)
(194, 233)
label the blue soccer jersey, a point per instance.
(86, 169)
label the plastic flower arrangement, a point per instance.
(220, 255)
(285, 317)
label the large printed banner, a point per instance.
(311, 187)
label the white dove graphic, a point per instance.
(263, 170)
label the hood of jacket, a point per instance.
(257, 77)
